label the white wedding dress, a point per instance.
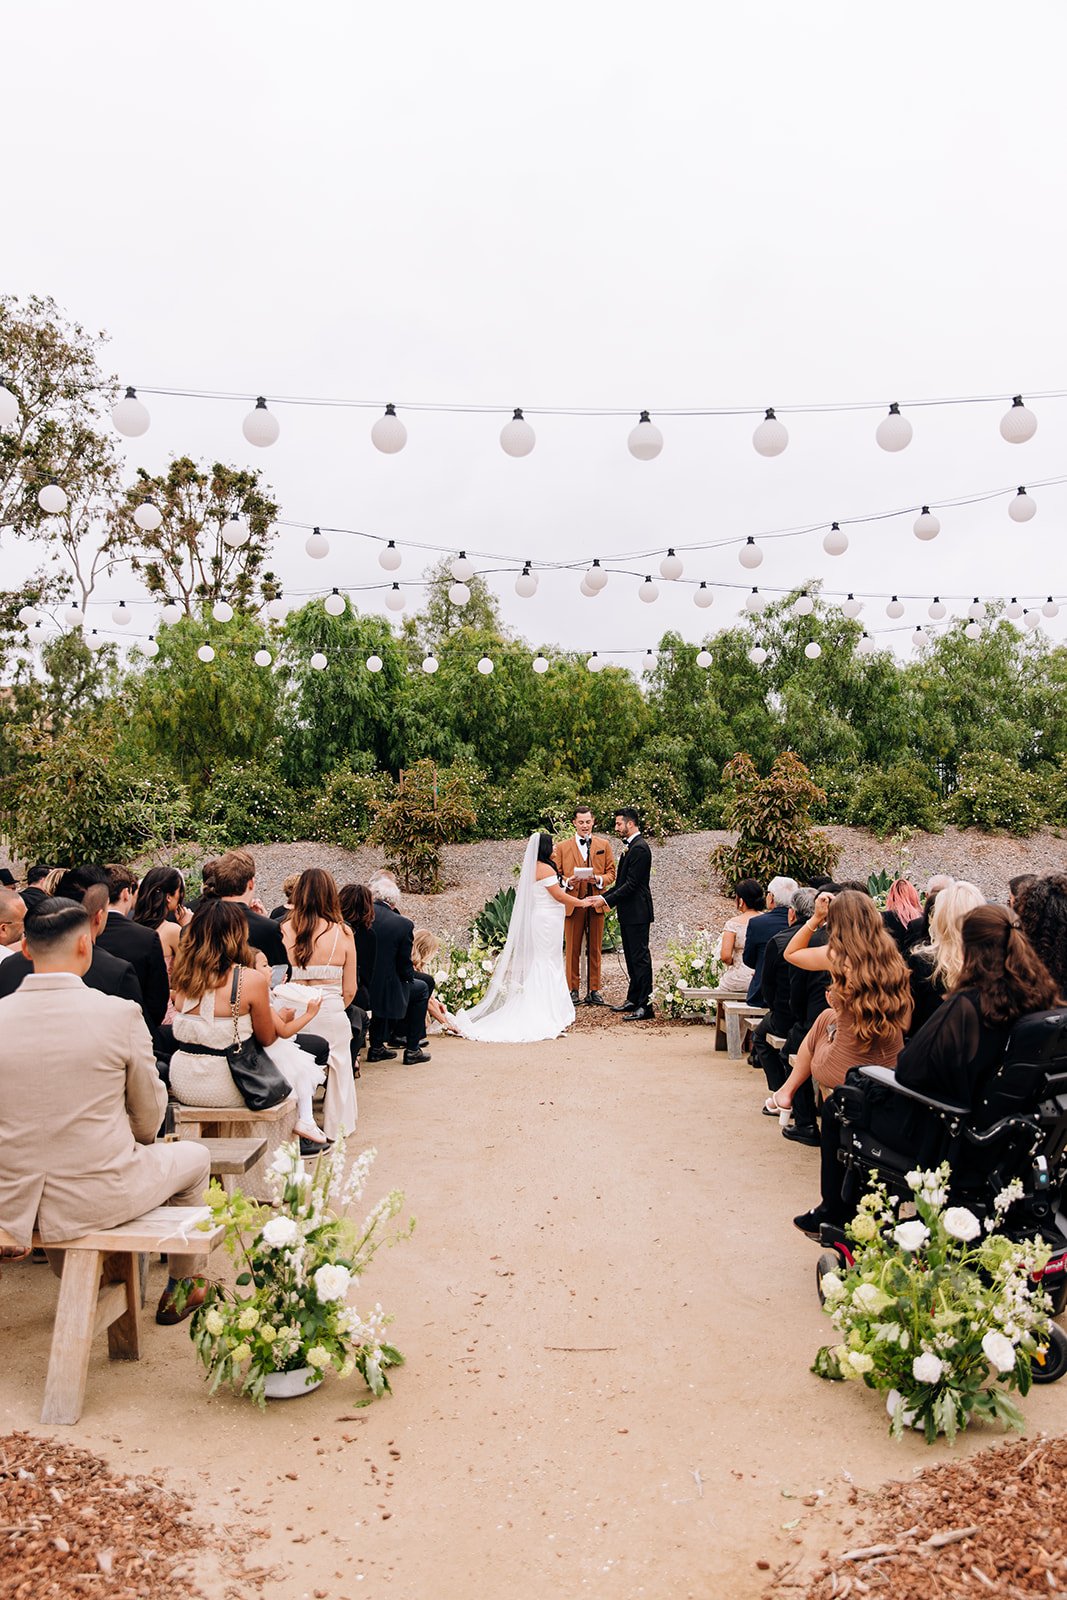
(527, 998)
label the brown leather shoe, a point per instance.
(167, 1312)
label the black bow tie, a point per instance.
(584, 846)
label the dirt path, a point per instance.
(608, 1320)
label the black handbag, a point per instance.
(251, 1068)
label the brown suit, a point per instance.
(80, 1102)
(583, 921)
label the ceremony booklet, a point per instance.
(582, 872)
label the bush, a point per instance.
(429, 808)
(537, 800)
(994, 793)
(772, 816)
(839, 785)
(657, 794)
(1053, 793)
(692, 959)
(248, 803)
(344, 812)
(903, 795)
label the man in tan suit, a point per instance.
(80, 1103)
(584, 851)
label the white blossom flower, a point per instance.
(859, 1361)
(831, 1286)
(864, 1227)
(279, 1232)
(440, 977)
(927, 1368)
(961, 1224)
(318, 1356)
(487, 966)
(468, 983)
(999, 1351)
(248, 1319)
(911, 1235)
(331, 1283)
(214, 1323)
(868, 1298)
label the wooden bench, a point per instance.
(231, 1157)
(776, 1041)
(713, 1001)
(740, 1017)
(100, 1288)
(273, 1126)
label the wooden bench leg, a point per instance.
(124, 1334)
(72, 1337)
(733, 1035)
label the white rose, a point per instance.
(961, 1223)
(279, 1232)
(331, 1283)
(927, 1368)
(831, 1286)
(487, 966)
(911, 1235)
(468, 983)
(440, 977)
(999, 1351)
(868, 1298)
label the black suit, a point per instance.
(265, 934)
(141, 947)
(107, 973)
(632, 898)
(397, 994)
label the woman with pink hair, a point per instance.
(903, 913)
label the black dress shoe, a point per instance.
(642, 1014)
(575, 997)
(381, 1054)
(413, 1058)
(629, 1006)
(595, 998)
(801, 1133)
(811, 1222)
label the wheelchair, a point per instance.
(1017, 1129)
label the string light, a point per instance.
(28, 615)
(973, 630)
(926, 526)
(235, 532)
(704, 658)
(205, 653)
(594, 662)
(1022, 508)
(485, 666)
(318, 662)
(317, 546)
(865, 645)
(750, 555)
(74, 616)
(918, 640)
(977, 610)
(374, 663)
(703, 597)
(895, 608)
(835, 543)
(596, 577)
(395, 599)
(517, 438)
(754, 603)
(771, 437)
(1014, 609)
(150, 648)
(148, 516)
(222, 611)
(430, 664)
(540, 665)
(130, 415)
(670, 567)
(172, 611)
(937, 609)
(9, 407)
(389, 434)
(1050, 608)
(458, 594)
(526, 584)
(852, 607)
(462, 569)
(390, 558)
(262, 658)
(1032, 620)
(120, 614)
(52, 499)
(645, 441)
(261, 427)
(335, 603)
(1019, 423)
(278, 609)
(648, 591)
(813, 650)
(894, 431)
(757, 655)
(803, 605)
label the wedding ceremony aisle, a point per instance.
(608, 1320)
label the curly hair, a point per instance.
(215, 941)
(869, 980)
(1001, 964)
(945, 950)
(1041, 905)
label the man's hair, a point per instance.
(11, 905)
(803, 903)
(95, 899)
(582, 807)
(53, 922)
(783, 890)
(74, 882)
(229, 875)
(118, 879)
(37, 874)
(384, 888)
(1021, 881)
(629, 813)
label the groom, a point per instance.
(584, 849)
(633, 899)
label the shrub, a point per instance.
(491, 924)
(1053, 793)
(994, 793)
(249, 803)
(903, 795)
(657, 794)
(772, 816)
(537, 800)
(839, 785)
(344, 812)
(429, 808)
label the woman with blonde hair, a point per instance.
(322, 953)
(935, 967)
(869, 1010)
(424, 946)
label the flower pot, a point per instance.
(287, 1385)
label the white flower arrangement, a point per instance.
(691, 961)
(463, 982)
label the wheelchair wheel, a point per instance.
(829, 1261)
(1058, 1296)
(1052, 1365)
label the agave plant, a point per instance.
(490, 926)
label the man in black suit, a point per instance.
(33, 894)
(398, 995)
(106, 972)
(632, 897)
(138, 945)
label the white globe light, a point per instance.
(390, 558)
(52, 499)
(895, 608)
(803, 605)
(1019, 423)
(645, 441)
(318, 662)
(594, 662)
(389, 434)
(852, 607)
(335, 603)
(37, 632)
(973, 630)
(462, 569)
(459, 594)
(95, 640)
(261, 427)
(866, 646)
(130, 416)
(278, 609)
(977, 610)
(394, 600)
(540, 665)
(262, 658)
(596, 577)
(1032, 619)
(757, 655)
(517, 438)
(120, 614)
(74, 616)
(1050, 608)
(235, 532)
(430, 664)
(648, 591)
(485, 666)
(1023, 507)
(526, 584)
(937, 609)
(835, 543)
(703, 658)
(148, 516)
(150, 648)
(813, 650)
(317, 545)
(670, 567)
(650, 660)
(374, 663)
(586, 588)
(926, 526)
(205, 653)
(222, 611)
(9, 407)
(918, 640)
(703, 597)
(1014, 609)
(771, 437)
(750, 555)
(894, 431)
(172, 612)
(28, 615)
(754, 603)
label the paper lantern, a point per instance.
(866, 646)
(262, 658)
(1022, 508)
(526, 584)
(937, 608)
(977, 610)
(517, 438)
(757, 655)
(973, 630)
(317, 545)
(594, 662)
(74, 616)
(852, 607)
(750, 555)
(148, 516)
(1018, 423)
(120, 614)
(894, 431)
(703, 658)
(803, 605)
(95, 640)
(485, 666)
(261, 427)
(540, 665)
(389, 434)
(771, 437)
(919, 640)
(335, 603)
(1014, 609)
(205, 653)
(703, 597)
(130, 416)
(670, 567)
(835, 543)
(459, 594)
(374, 663)
(318, 662)
(596, 577)
(462, 569)
(754, 603)
(235, 532)
(222, 611)
(28, 615)
(172, 612)
(648, 591)
(150, 648)
(278, 609)
(390, 557)
(429, 664)
(1050, 608)
(926, 526)
(1032, 619)
(645, 441)
(52, 499)
(813, 650)
(395, 600)
(895, 608)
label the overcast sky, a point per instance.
(583, 204)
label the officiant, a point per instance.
(586, 863)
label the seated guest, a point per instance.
(934, 885)
(160, 905)
(233, 877)
(320, 950)
(357, 906)
(869, 1009)
(935, 965)
(777, 995)
(280, 913)
(903, 914)
(1016, 886)
(749, 900)
(762, 928)
(424, 946)
(397, 995)
(12, 917)
(1042, 912)
(80, 1102)
(35, 890)
(106, 972)
(139, 946)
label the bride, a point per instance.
(527, 998)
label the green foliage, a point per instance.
(347, 713)
(537, 800)
(1053, 793)
(655, 788)
(691, 961)
(772, 816)
(903, 795)
(345, 810)
(429, 808)
(249, 802)
(994, 793)
(839, 785)
(491, 924)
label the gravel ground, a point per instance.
(682, 884)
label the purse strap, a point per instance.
(235, 1001)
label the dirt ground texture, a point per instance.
(608, 1320)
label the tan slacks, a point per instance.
(184, 1170)
(583, 925)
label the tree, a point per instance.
(440, 617)
(428, 808)
(346, 711)
(772, 816)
